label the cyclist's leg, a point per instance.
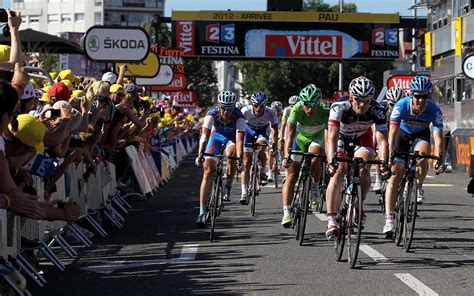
(247, 162)
(288, 189)
(424, 147)
(262, 140)
(317, 147)
(231, 168)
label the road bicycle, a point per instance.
(254, 181)
(300, 206)
(215, 204)
(349, 217)
(405, 211)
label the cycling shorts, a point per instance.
(216, 141)
(406, 142)
(361, 144)
(251, 136)
(302, 144)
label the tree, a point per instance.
(282, 79)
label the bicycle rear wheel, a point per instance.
(213, 207)
(304, 207)
(354, 227)
(340, 240)
(253, 188)
(410, 216)
(276, 170)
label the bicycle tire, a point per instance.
(398, 218)
(296, 210)
(410, 216)
(322, 191)
(213, 208)
(340, 240)
(353, 237)
(276, 169)
(305, 207)
(253, 190)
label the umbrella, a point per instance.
(36, 41)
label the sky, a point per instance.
(373, 6)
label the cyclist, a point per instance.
(286, 112)
(306, 128)
(260, 119)
(393, 95)
(410, 128)
(277, 107)
(351, 122)
(223, 125)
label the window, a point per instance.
(79, 17)
(66, 18)
(98, 18)
(98, 2)
(34, 19)
(53, 18)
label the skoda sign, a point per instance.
(112, 44)
(468, 66)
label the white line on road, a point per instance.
(165, 211)
(372, 253)
(188, 252)
(321, 217)
(415, 284)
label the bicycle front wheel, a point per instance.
(340, 240)
(354, 227)
(253, 188)
(297, 209)
(276, 170)
(214, 206)
(410, 216)
(304, 208)
(398, 219)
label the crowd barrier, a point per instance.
(100, 197)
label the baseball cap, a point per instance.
(31, 93)
(130, 88)
(4, 53)
(77, 93)
(109, 77)
(62, 104)
(117, 88)
(30, 131)
(67, 75)
(60, 91)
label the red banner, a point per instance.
(185, 99)
(402, 81)
(179, 83)
(303, 46)
(185, 36)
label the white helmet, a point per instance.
(293, 100)
(394, 94)
(361, 87)
(226, 99)
(239, 105)
(276, 105)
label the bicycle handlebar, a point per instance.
(359, 160)
(219, 156)
(307, 154)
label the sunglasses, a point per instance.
(227, 109)
(421, 97)
(311, 105)
(258, 106)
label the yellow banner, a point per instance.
(287, 16)
(149, 67)
(458, 36)
(428, 59)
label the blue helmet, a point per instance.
(421, 84)
(258, 98)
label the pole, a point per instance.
(341, 68)
(414, 42)
(225, 75)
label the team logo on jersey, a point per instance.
(337, 107)
(395, 113)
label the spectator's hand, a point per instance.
(25, 204)
(14, 19)
(85, 106)
(122, 68)
(72, 211)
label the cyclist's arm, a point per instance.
(240, 143)
(274, 134)
(291, 128)
(205, 133)
(382, 144)
(438, 141)
(392, 137)
(333, 135)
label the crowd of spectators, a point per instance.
(70, 119)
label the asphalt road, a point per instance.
(160, 252)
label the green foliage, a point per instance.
(280, 79)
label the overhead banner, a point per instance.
(402, 81)
(257, 35)
(116, 44)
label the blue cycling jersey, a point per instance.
(412, 123)
(213, 121)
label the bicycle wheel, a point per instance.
(253, 188)
(340, 240)
(398, 218)
(322, 191)
(410, 216)
(296, 210)
(354, 227)
(276, 170)
(304, 207)
(213, 207)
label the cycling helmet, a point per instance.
(293, 100)
(239, 105)
(310, 94)
(226, 99)
(361, 87)
(394, 94)
(421, 84)
(277, 105)
(259, 98)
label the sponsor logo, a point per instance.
(303, 46)
(402, 81)
(93, 43)
(228, 50)
(179, 83)
(384, 37)
(185, 36)
(186, 99)
(217, 33)
(123, 43)
(385, 53)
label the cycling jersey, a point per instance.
(213, 121)
(268, 118)
(286, 113)
(412, 123)
(309, 126)
(354, 126)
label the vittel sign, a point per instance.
(124, 44)
(402, 81)
(185, 36)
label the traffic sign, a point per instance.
(468, 66)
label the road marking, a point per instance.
(165, 211)
(438, 185)
(372, 253)
(430, 177)
(188, 253)
(415, 284)
(321, 217)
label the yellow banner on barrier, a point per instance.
(428, 59)
(458, 36)
(290, 16)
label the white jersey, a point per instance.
(286, 113)
(268, 118)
